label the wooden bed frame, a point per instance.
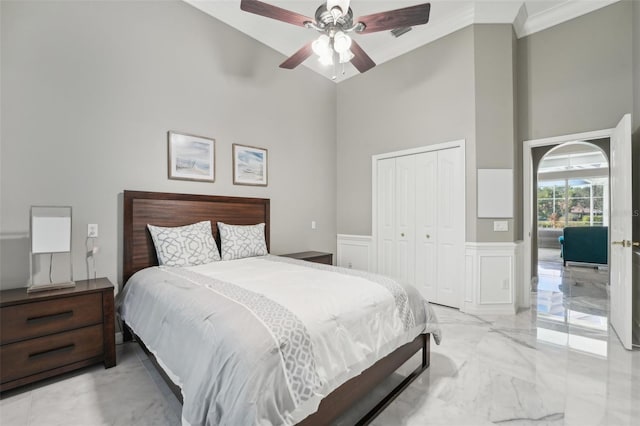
(168, 209)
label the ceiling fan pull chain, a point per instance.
(335, 64)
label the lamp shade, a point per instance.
(341, 42)
(50, 229)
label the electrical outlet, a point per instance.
(313, 224)
(92, 230)
(500, 226)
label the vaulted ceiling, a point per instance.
(447, 16)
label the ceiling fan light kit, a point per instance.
(334, 20)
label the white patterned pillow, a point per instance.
(185, 245)
(240, 241)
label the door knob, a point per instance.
(621, 243)
(636, 243)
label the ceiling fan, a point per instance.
(334, 20)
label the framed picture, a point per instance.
(249, 165)
(191, 157)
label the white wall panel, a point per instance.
(355, 252)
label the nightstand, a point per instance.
(312, 256)
(52, 332)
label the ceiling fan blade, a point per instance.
(361, 60)
(274, 12)
(298, 57)
(405, 17)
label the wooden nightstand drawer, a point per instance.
(312, 256)
(326, 259)
(33, 356)
(25, 321)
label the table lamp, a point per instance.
(50, 228)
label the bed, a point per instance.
(308, 383)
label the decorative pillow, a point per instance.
(188, 245)
(239, 241)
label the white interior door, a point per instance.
(386, 240)
(405, 219)
(620, 252)
(450, 216)
(426, 224)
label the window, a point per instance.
(573, 187)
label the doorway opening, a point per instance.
(570, 247)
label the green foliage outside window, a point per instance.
(556, 211)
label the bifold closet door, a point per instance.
(426, 224)
(405, 190)
(386, 220)
(396, 210)
(420, 222)
(450, 215)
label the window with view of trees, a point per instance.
(572, 202)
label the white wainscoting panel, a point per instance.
(355, 252)
(492, 274)
(495, 279)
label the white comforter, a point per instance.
(260, 341)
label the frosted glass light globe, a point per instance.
(341, 42)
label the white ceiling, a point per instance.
(446, 16)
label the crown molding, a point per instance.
(563, 12)
(520, 20)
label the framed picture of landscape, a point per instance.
(191, 157)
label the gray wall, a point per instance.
(494, 110)
(422, 98)
(89, 91)
(576, 76)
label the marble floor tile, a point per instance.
(15, 410)
(496, 396)
(557, 363)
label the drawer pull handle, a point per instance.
(54, 351)
(61, 315)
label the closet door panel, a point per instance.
(450, 213)
(426, 224)
(405, 219)
(386, 240)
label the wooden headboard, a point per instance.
(167, 209)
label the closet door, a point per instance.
(426, 224)
(386, 212)
(450, 216)
(405, 219)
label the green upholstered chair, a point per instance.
(588, 244)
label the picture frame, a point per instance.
(191, 157)
(250, 165)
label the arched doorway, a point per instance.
(571, 203)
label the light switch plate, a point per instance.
(500, 226)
